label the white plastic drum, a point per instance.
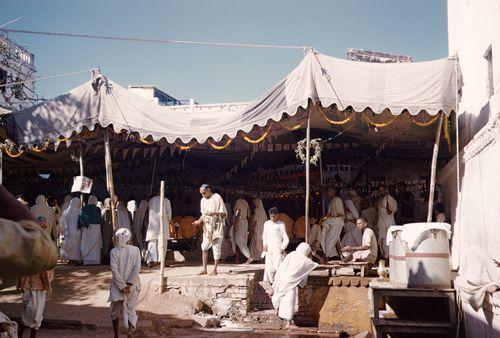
(427, 254)
(397, 256)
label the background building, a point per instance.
(156, 95)
(17, 64)
(373, 56)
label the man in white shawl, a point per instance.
(213, 217)
(153, 234)
(70, 249)
(333, 224)
(89, 222)
(259, 218)
(240, 232)
(274, 240)
(292, 272)
(42, 209)
(125, 264)
(352, 235)
(387, 207)
(138, 223)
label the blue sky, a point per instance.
(217, 74)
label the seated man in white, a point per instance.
(368, 250)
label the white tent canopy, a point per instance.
(415, 87)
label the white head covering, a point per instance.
(259, 212)
(352, 208)
(132, 206)
(42, 209)
(122, 237)
(92, 200)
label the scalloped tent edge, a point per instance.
(430, 86)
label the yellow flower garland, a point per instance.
(425, 124)
(40, 150)
(260, 139)
(7, 151)
(337, 123)
(217, 147)
(380, 125)
(291, 128)
(182, 147)
(447, 131)
(143, 140)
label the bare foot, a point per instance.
(213, 273)
(249, 260)
(201, 273)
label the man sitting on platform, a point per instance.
(368, 250)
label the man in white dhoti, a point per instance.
(367, 251)
(292, 272)
(125, 264)
(213, 217)
(153, 234)
(387, 207)
(333, 224)
(70, 249)
(274, 240)
(42, 209)
(240, 232)
(259, 218)
(352, 235)
(89, 222)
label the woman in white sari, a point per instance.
(293, 272)
(259, 218)
(122, 216)
(70, 249)
(89, 222)
(352, 235)
(42, 209)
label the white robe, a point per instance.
(385, 221)
(259, 217)
(125, 264)
(292, 272)
(138, 222)
(70, 249)
(42, 209)
(241, 235)
(353, 235)
(33, 307)
(211, 230)
(91, 241)
(315, 234)
(122, 216)
(275, 238)
(153, 232)
(335, 224)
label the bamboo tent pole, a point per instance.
(109, 178)
(321, 184)
(435, 153)
(80, 160)
(162, 248)
(1, 165)
(152, 178)
(308, 164)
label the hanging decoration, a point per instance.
(10, 148)
(380, 125)
(291, 128)
(301, 151)
(143, 140)
(184, 147)
(260, 139)
(218, 147)
(40, 150)
(424, 124)
(337, 123)
(446, 127)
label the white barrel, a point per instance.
(427, 254)
(397, 256)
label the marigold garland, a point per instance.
(40, 150)
(447, 131)
(425, 124)
(182, 147)
(260, 139)
(7, 151)
(143, 140)
(217, 147)
(380, 125)
(291, 128)
(337, 123)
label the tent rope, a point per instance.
(45, 78)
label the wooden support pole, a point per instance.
(80, 160)
(162, 247)
(109, 178)
(308, 164)
(432, 185)
(1, 165)
(321, 185)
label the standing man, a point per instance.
(274, 240)
(125, 264)
(367, 252)
(335, 220)
(213, 216)
(387, 207)
(153, 234)
(240, 233)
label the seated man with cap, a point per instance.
(368, 250)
